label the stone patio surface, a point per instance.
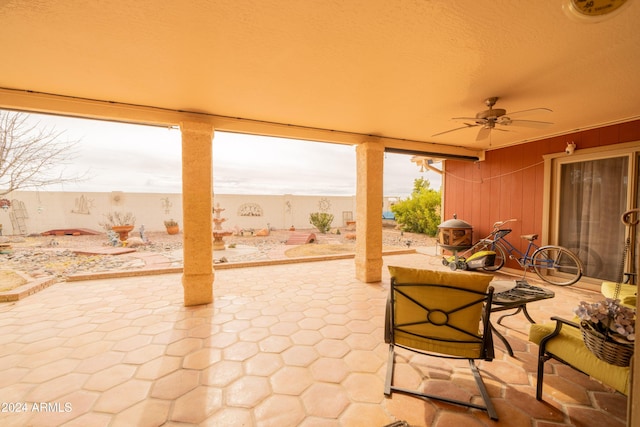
(281, 345)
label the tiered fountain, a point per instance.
(218, 232)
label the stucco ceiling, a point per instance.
(400, 69)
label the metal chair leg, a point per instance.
(488, 405)
(483, 391)
(389, 379)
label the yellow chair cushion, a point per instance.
(473, 281)
(569, 346)
(436, 299)
(627, 296)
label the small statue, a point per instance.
(113, 237)
(142, 234)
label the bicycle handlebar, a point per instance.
(498, 224)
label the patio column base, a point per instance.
(369, 270)
(198, 289)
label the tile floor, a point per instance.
(283, 345)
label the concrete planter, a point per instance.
(173, 229)
(123, 231)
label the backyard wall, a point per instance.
(43, 211)
(510, 182)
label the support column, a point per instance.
(197, 204)
(369, 166)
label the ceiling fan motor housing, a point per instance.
(488, 118)
(491, 114)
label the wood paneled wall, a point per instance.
(509, 183)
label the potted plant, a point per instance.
(121, 223)
(172, 226)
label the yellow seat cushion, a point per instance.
(569, 346)
(408, 313)
(627, 296)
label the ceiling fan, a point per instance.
(488, 119)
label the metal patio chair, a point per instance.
(440, 314)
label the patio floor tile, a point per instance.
(281, 345)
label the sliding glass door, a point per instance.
(592, 194)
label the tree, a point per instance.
(420, 213)
(30, 154)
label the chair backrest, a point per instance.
(442, 313)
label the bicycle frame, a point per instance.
(553, 264)
(523, 259)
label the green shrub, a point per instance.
(321, 220)
(421, 212)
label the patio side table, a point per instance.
(517, 298)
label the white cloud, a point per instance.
(133, 158)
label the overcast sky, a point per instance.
(144, 159)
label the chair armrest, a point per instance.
(559, 323)
(565, 321)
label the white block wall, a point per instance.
(43, 211)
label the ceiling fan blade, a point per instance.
(483, 133)
(466, 118)
(530, 110)
(466, 126)
(528, 123)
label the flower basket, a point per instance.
(606, 348)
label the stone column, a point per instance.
(369, 166)
(197, 204)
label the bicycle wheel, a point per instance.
(490, 245)
(590, 259)
(556, 265)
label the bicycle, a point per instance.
(552, 263)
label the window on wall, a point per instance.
(592, 191)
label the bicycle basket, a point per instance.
(501, 233)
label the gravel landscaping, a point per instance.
(58, 256)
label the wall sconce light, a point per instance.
(571, 147)
(5, 204)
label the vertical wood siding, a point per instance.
(510, 182)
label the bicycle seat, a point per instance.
(529, 237)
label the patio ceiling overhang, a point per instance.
(328, 71)
(137, 114)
